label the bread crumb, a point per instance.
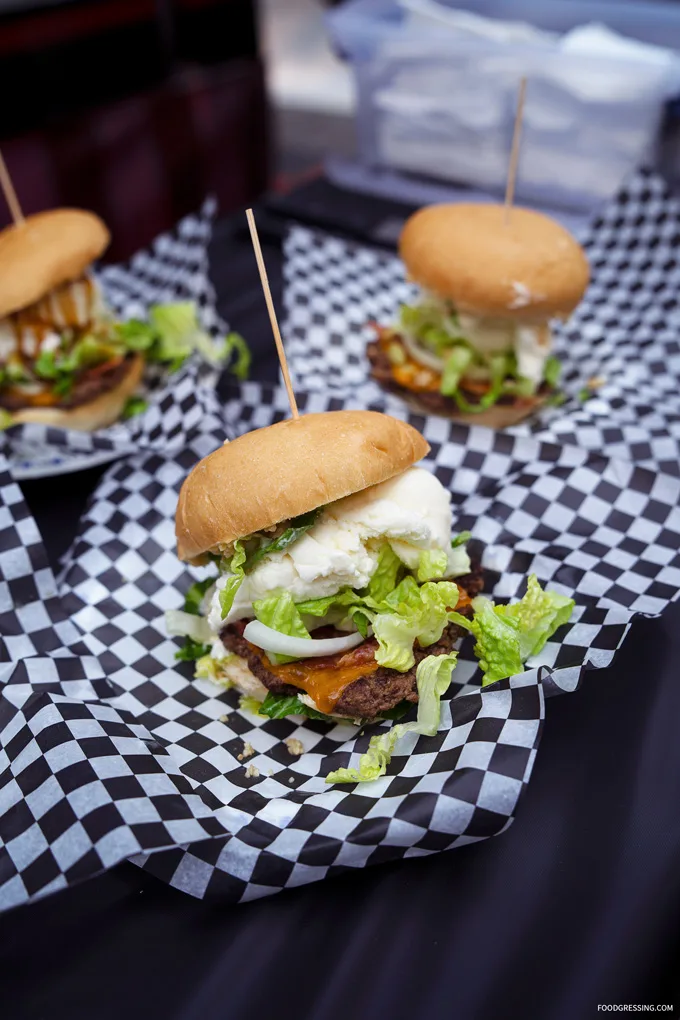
(252, 772)
(270, 772)
(290, 780)
(224, 718)
(248, 751)
(596, 382)
(294, 745)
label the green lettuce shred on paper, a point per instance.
(506, 636)
(433, 677)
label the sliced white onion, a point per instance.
(419, 354)
(181, 624)
(305, 648)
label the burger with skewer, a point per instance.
(65, 359)
(340, 591)
(477, 344)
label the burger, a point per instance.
(477, 344)
(65, 360)
(341, 592)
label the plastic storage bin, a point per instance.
(438, 101)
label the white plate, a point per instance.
(28, 462)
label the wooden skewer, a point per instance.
(272, 313)
(514, 152)
(10, 193)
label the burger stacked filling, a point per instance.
(68, 348)
(353, 611)
(469, 363)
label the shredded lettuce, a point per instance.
(461, 539)
(412, 613)
(234, 344)
(234, 580)
(537, 616)
(6, 419)
(191, 650)
(432, 564)
(434, 323)
(210, 668)
(297, 527)
(386, 575)
(497, 645)
(173, 332)
(506, 636)
(278, 706)
(454, 367)
(250, 704)
(552, 370)
(193, 600)
(433, 677)
(134, 406)
(279, 612)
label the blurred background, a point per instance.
(139, 108)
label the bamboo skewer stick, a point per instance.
(10, 194)
(272, 312)
(514, 152)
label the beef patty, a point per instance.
(88, 386)
(368, 696)
(381, 370)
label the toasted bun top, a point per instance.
(44, 251)
(528, 268)
(275, 473)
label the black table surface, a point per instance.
(576, 906)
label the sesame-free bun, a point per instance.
(44, 251)
(284, 470)
(528, 267)
(96, 414)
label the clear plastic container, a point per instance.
(438, 101)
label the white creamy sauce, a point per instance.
(412, 511)
(532, 348)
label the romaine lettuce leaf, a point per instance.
(297, 527)
(454, 367)
(537, 616)
(508, 635)
(193, 600)
(386, 575)
(432, 564)
(552, 370)
(191, 650)
(411, 613)
(210, 668)
(278, 706)
(433, 677)
(134, 406)
(279, 612)
(234, 580)
(497, 646)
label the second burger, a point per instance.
(477, 345)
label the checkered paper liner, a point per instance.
(626, 331)
(110, 750)
(173, 268)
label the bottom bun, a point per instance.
(500, 416)
(95, 414)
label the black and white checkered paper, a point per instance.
(173, 268)
(626, 331)
(110, 750)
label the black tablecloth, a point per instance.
(575, 906)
